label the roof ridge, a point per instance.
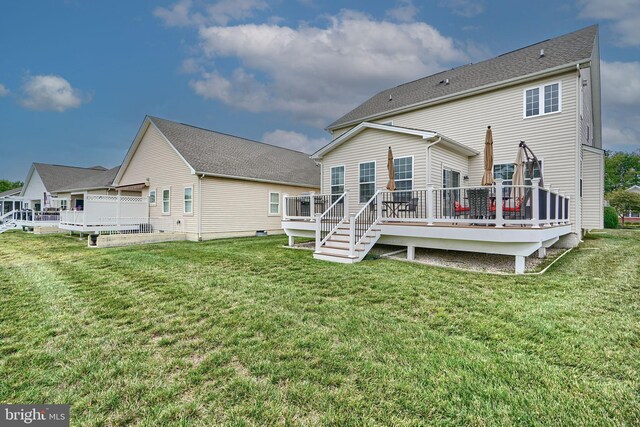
(228, 134)
(93, 168)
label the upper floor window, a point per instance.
(542, 100)
(367, 181)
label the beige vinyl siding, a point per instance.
(233, 207)
(156, 160)
(373, 145)
(592, 189)
(441, 159)
(553, 137)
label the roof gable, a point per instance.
(217, 154)
(427, 135)
(56, 177)
(570, 48)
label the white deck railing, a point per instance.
(497, 205)
(100, 210)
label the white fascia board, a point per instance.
(428, 135)
(469, 92)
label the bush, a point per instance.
(610, 217)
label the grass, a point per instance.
(245, 332)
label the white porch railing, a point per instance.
(27, 216)
(328, 221)
(101, 210)
(307, 206)
(496, 205)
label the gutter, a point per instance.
(583, 63)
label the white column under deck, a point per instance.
(519, 264)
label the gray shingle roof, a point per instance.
(56, 177)
(566, 49)
(101, 179)
(217, 153)
(11, 192)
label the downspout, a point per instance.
(200, 178)
(428, 177)
(577, 200)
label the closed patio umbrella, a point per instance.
(518, 174)
(487, 177)
(391, 185)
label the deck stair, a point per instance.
(7, 222)
(353, 237)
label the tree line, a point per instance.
(622, 171)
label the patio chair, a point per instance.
(459, 210)
(411, 206)
(478, 202)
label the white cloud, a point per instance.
(621, 105)
(183, 13)
(623, 14)
(621, 84)
(294, 140)
(4, 91)
(50, 93)
(317, 73)
(178, 15)
(405, 11)
(466, 8)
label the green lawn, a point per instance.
(246, 332)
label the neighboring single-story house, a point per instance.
(9, 201)
(44, 181)
(212, 185)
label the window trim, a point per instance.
(184, 200)
(169, 200)
(155, 197)
(269, 203)
(413, 174)
(509, 181)
(541, 99)
(375, 177)
(344, 178)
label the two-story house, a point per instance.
(546, 94)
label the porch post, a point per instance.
(117, 210)
(411, 253)
(519, 264)
(346, 203)
(312, 203)
(285, 196)
(557, 196)
(379, 205)
(318, 233)
(291, 241)
(566, 214)
(548, 224)
(499, 216)
(352, 234)
(535, 205)
(430, 191)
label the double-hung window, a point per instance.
(274, 203)
(188, 200)
(542, 100)
(152, 197)
(505, 172)
(166, 202)
(403, 176)
(337, 182)
(367, 178)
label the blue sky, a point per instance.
(77, 77)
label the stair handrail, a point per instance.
(356, 237)
(319, 240)
(10, 213)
